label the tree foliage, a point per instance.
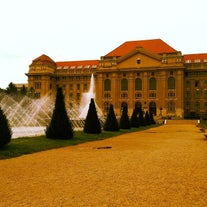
(92, 124)
(147, 118)
(5, 131)
(134, 121)
(23, 91)
(152, 121)
(141, 118)
(111, 123)
(124, 120)
(11, 89)
(60, 126)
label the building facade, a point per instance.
(145, 74)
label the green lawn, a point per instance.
(203, 123)
(28, 145)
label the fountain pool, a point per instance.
(29, 117)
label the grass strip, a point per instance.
(29, 145)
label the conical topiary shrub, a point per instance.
(152, 121)
(147, 118)
(5, 131)
(111, 123)
(124, 120)
(60, 126)
(134, 121)
(141, 118)
(92, 124)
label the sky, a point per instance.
(67, 30)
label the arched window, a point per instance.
(138, 84)
(152, 108)
(171, 106)
(124, 84)
(187, 83)
(138, 106)
(107, 85)
(152, 84)
(171, 83)
(187, 106)
(197, 106)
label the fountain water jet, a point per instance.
(29, 117)
(86, 98)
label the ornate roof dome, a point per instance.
(44, 60)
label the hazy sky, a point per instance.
(88, 29)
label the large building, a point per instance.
(146, 74)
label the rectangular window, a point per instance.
(37, 77)
(138, 60)
(70, 96)
(196, 83)
(171, 95)
(152, 95)
(205, 94)
(187, 94)
(124, 95)
(187, 106)
(37, 85)
(85, 87)
(71, 86)
(197, 94)
(138, 95)
(107, 96)
(78, 96)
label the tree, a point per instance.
(92, 124)
(147, 118)
(111, 123)
(124, 120)
(152, 121)
(23, 90)
(60, 126)
(134, 121)
(11, 89)
(141, 118)
(5, 131)
(31, 92)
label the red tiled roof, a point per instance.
(78, 63)
(195, 57)
(154, 45)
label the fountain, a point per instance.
(86, 98)
(29, 117)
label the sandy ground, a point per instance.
(164, 166)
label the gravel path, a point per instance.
(163, 167)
